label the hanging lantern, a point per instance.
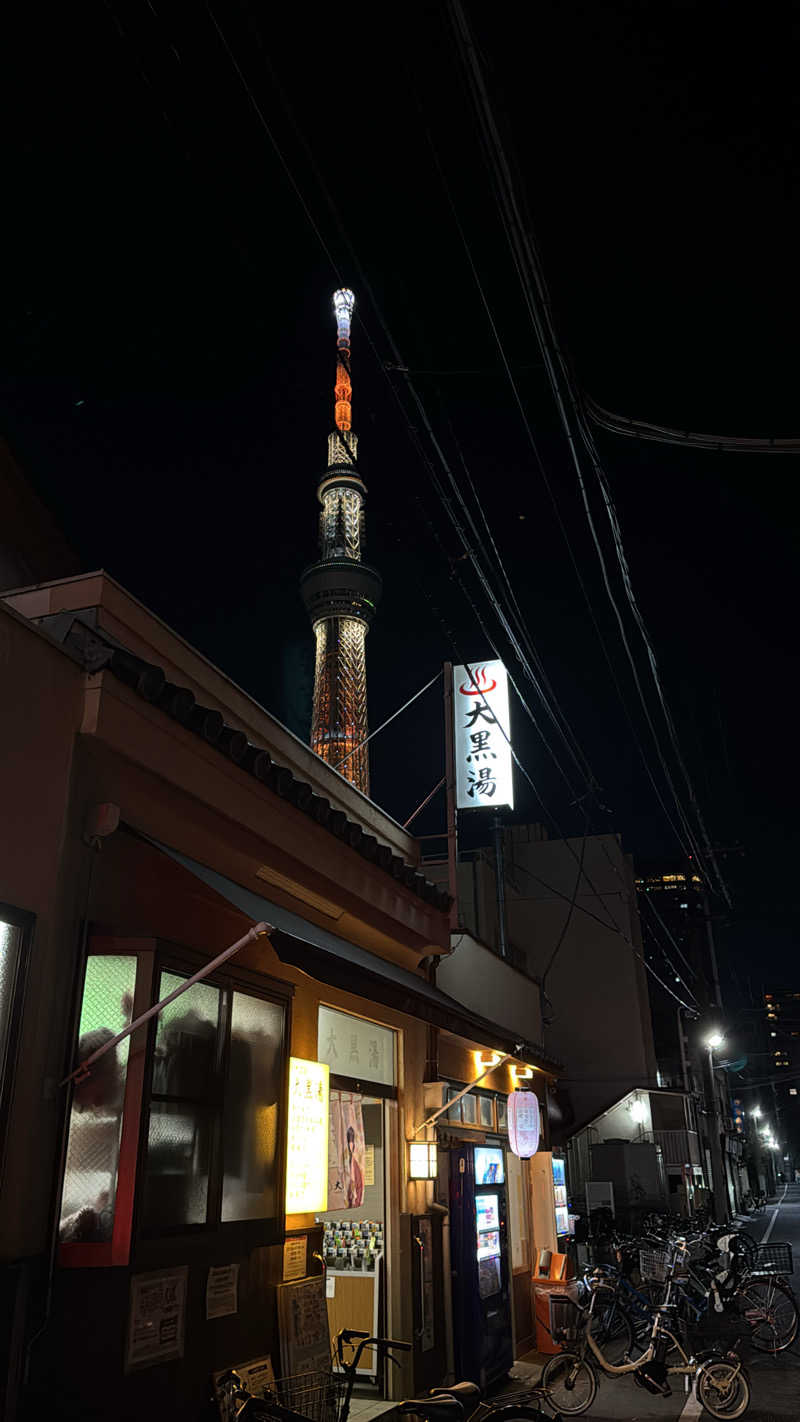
(524, 1125)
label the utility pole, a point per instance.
(500, 876)
(718, 1173)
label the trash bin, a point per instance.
(554, 1303)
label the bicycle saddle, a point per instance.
(466, 1392)
(439, 1408)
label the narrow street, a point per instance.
(775, 1381)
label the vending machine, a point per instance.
(560, 1199)
(480, 1263)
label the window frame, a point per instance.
(177, 959)
(25, 921)
(154, 956)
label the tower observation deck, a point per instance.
(341, 592)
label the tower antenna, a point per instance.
(341, 592)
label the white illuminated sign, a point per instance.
(482, 737)
(307, 1139)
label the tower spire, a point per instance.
(341, 593)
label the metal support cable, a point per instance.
(388, 721)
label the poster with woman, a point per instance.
(345, 1152)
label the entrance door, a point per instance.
(354, 1234)
(427, 1283)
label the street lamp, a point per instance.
(756, 1112)
(714, 1040)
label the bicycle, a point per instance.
(321, 1396)
(754, 1280)
(463, 1402)
(721, 1383)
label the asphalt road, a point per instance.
(775, 1381)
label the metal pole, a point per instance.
(450, 781)
(500, 876)
(682, 1045)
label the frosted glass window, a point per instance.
(186, 1040)
(90, 1177)
(10, 942)
(250, 1112)
(178, 1151)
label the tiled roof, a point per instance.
(98, 652)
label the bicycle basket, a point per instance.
(773, 1259)
(564, 1318)
(654, 1265)
(318, 1396)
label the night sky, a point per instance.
(168, 356)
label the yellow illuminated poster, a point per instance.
(307, 1137)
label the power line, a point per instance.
(662, 434)
(532, 281)
(435, 478)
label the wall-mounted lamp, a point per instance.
(521, 1073)
(638, 1111)
(488, 1059)
(422, 1160)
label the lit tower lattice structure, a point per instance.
(341, 593)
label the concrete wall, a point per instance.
(596, 986)
(491, 987)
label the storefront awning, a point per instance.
(340, 964)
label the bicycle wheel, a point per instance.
(770, 1308)
(570, 1383)
(723, 1391)
(613, 1329)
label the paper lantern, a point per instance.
(523, 1123)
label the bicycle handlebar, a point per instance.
(382, 1345)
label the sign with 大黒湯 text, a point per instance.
(355, 1047)
(307, 1137)
(482, 737)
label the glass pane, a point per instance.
(469, 1111)
(486, 1107)
(10, 937)
(178, 1150)
(250, 1120)
(186, 1040)
(90, 1177)
(454, 1114)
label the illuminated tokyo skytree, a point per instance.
(341, 592)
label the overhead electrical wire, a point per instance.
(442, 459)
(662, 434)
(532, 282)
(403, 369)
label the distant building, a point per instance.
(677, 930)
(781, 1018)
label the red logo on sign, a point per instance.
(482, 684)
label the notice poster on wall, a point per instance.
(222, 1291)
(295, 1257)
(303, 1326)
(156, 1318)
(346, 1163)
